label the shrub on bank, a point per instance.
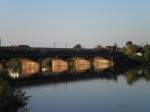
(12, 99)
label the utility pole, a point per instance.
(142, 44)
(66, 45)
(54, 44)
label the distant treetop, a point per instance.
(129, 43)
(77, 46)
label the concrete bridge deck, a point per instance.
(37, 53)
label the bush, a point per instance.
(11, 99)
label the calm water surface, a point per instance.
(128, 92)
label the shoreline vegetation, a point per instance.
(12, 99)
(138, 53)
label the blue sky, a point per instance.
(89, 22)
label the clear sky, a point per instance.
(89, 22)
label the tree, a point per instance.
(129, 43)
(98, 47)
(115, 48)
(11, 99)
(147, 53)
(77, 47)
(14, 64)
(131, 48)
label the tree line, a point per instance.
(132, 50)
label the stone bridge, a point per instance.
(40, 53)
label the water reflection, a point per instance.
(29, 67)
(14, 74)
(81, 64)
(46, 66)
(131, 76)
(101, 64)
(78, 68)
(137, 73)
(59, 66)
(101, 89)
(13, 66)
(105, 91)
(21, 67)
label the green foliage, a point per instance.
(147, 73)
(137, 58)
(147, 56)
(46, 62)
(4, 76)
(11, 99)
(147, 53)
(135, 74)
(14, 64)
(129, 43)
(131, 49)
(134, 52)
(132, 76)
(77, 47)
(98, 47)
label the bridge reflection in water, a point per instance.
(22, 67)
(59, 66)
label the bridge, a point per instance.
(30, 60)
(38, 53)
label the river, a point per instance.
(124, 92)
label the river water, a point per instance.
(108, 92)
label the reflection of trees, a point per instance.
(146, 73)
(135, 74)
(14, 65)
(147, 53)
(131, 76)
(11, 99)
(46, 65)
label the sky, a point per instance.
(69, 22)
